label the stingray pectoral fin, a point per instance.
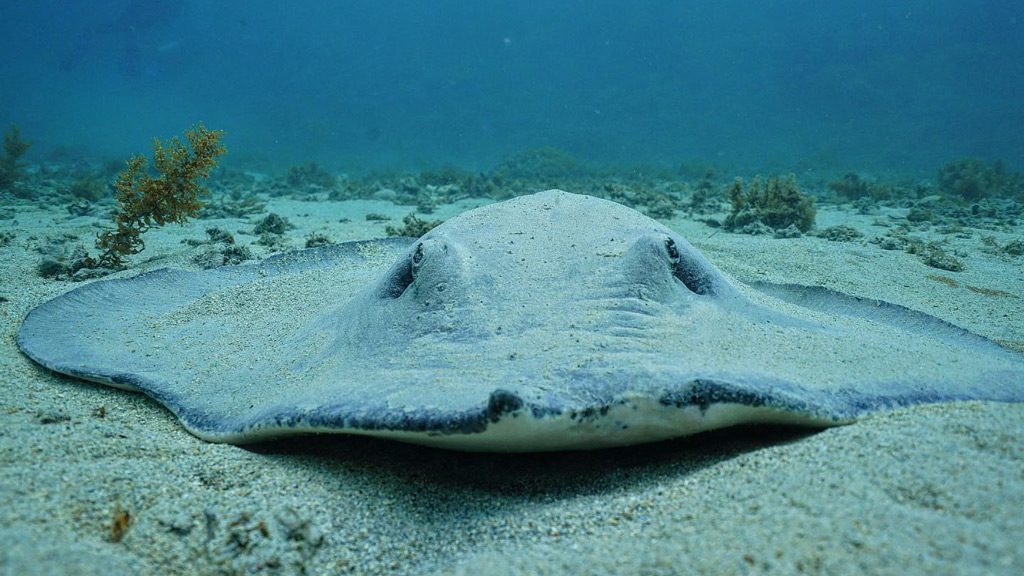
(978, 368)
(832, 302)
(115, 331)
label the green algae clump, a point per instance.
(11, 169)
(973, 179)
(777, 203)
(538, 164)
(413, 227)
(853, 187)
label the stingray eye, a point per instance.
(672, 249)
(687, 270)
(402, 275)
(417, 256)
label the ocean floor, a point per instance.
(95, 480)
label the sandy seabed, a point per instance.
(95, 480)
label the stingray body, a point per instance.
(550, 321)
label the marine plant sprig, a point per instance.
(145, 201)
(11, 169)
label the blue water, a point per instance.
(796, 85)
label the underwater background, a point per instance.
(870, 148)
(783, 85)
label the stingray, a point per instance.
(546, 322)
